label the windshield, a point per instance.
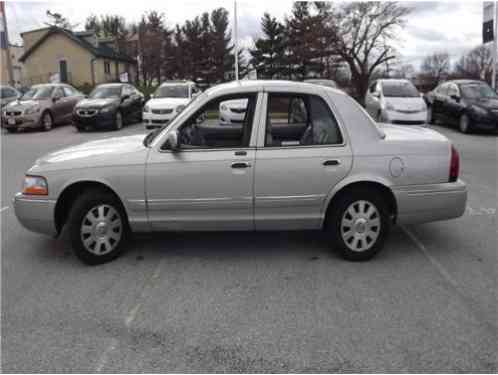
(399, 90)
(106, 92)
(180, 91)
(477, 91)
(41, 92)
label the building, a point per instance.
(54, 54)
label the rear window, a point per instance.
(399, 90)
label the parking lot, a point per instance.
(254, 302)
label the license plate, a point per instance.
(11, 121)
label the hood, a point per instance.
(99, 103)
(20, 105)
(166, 103)
(486, 103)
(407, 104)
(103, 152)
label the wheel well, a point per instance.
(71, 193)
(386, 193)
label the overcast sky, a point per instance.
(452, 26)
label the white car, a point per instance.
(331, 167)
(233, 111)
(169, 99)
(396, 101)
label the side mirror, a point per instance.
(125, 97)
(456, 98)
(376, 94)
(172, 141)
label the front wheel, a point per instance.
(47, 121)
(465, 124)
(97, 227)
(118, 121)
(359, 224)
(429, 115)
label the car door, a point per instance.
(207, 184)
(60, 105)
(71, 97)
(453, 105)
(298, 161)
(439, 101)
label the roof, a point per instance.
(102, 51)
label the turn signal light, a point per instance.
(35, 185)
(454, 165)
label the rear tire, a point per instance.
(118, 121)
(358, 224)
(429, 115)
(465, 124)
(47, 121)
(98, 228)
(12, 130)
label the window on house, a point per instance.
(107, 67)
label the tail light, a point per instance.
(454, 165)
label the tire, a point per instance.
(358, 224)
(465, 124)
(46, 121)
(118, 121)
(430, 118)
(98, 228)
(12, 130)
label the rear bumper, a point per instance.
(36, 213)
(426, 203)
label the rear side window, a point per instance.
(300, 120)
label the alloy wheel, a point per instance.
(101, 229)
(119, 120)
(464, 124)
(360, 225)
(47, 121)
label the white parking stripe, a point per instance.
(446, 275)
(4, 208)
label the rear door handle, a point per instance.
(331, 162)
(240, 153)
(241, 165)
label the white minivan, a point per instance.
(395, 101)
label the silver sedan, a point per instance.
(303, 157)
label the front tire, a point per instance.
(359, 224)
(429, 115)
(118, 121)
(98, 227)
(465, 124)
(47, 121)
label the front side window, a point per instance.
(69, 91)
(478, 90)
(300, 120)
(399, 90)
(224, 122)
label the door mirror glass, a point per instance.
(172, 141)
(455, 97)
(125, 97)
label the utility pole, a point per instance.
(236, 35)
(495, 44)
(6, 48)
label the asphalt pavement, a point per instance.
(253, 302)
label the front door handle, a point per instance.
(241, 165)
(331, 162)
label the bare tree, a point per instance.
(58, 20)
(362, 35)
(436, 66)
(477, 64)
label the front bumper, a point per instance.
(426, 203)
(400, 118)
(36, 213)
(152, 120)
(21, 121)
(99, 120)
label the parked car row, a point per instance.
(46, 105)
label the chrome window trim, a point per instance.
(332, 108)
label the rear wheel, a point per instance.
(12, 130)
(429, 115)
(97, 227)
(359, 224)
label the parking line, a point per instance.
(4, 208)
(446, 275)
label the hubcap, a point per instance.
(360, 225)
(119, 121)
(101, 229)
(47, 121)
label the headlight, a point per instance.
(107, 109)
(35, 185)
(224, 107)
(179, 108)
(31, 110)
(146, 108)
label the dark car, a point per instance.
(109, 105)
(468, 104)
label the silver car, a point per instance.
(42, 106)
(330, 167)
